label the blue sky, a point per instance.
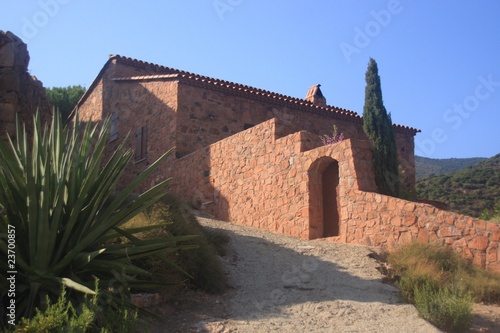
(439, 61)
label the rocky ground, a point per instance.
(283, 284)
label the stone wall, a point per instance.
(135, 103)
(206, 116)
(262, 164)
(92, 108)
(379, 220)
(199, 112)
(250, 178)
(267, 179)
(20, 93)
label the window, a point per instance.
(141, 143)
(113, 130)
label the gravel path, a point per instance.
(283, 284)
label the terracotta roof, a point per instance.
(158, 72)
(201, 80)
(147, 77)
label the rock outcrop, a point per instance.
(20, 93)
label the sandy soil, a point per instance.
(283, 284)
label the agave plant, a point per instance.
(59, 210)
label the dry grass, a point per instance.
(442, 267)
(441, 284)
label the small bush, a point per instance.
(445, 308)
(417, 264)
(334, 138)
(91, 316)
(484, 286)
(58, 317)
(200, 263)
(419, 255)
(492, 214)
(441, 284)
(217, 238)
(407, 283)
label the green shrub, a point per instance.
(59, 317)
(471, 191)
(484, 286)
(419, 264)
(88, 317)
(408, 283)
(204, 269)
(445, 308)
(441, 284)
(492, 214)
(218, 239)
(417, 255)
(56, 192)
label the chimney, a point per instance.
(315, 96)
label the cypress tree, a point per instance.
(377, 125)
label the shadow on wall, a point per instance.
(193, 183)
(143, 113)
(139, 115)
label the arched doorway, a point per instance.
(330, 183)
(324, 218)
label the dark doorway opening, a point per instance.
(330, 182)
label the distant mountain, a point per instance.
(469, 191)
(427, 166)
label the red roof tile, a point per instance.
(159, 72)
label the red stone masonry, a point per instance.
(255, 158)
(380, 220)
(262, 179)
(204, 110)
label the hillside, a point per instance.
(427, 166)
(469, 191)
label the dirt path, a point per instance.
(283, 284)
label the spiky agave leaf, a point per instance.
(57, 192)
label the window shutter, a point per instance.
(138, 145)
(144, 142)
(113, 131)
(141, 143)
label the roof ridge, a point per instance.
(145, 77)
(238, 85)
(241, 87)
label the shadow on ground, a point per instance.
(276, 278)
(268, 277)
(281, 281)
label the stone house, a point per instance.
(255, 157)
